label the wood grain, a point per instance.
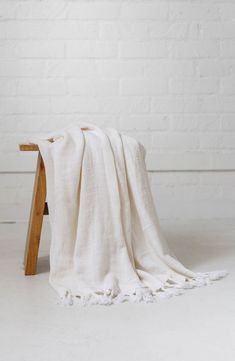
(38, 209)
(28, 147)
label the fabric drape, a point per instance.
(106, 241)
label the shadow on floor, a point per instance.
(43, 264)
(198, 251)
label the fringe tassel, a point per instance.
(142, 294)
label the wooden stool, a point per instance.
(38, 210)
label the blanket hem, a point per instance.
(142, 294)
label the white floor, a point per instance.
(199, 325)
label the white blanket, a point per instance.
(106, 242)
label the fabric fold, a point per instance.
(106, 241)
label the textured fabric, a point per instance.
(106, 241)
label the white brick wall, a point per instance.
(161, 70)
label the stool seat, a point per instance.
(38, 210)
(28, 147)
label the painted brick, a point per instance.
(14, 68)
(227, 48)
(227, 11)
(100, 10)
(93, 86)
(194, 49)
(210, 140)
(161, 71)
(215, 68)
(143, 49)
(145, 10)
(8, 10)
(195, 123)
(20, 105)
(8, 87)
(91, 49)
(228, 122)
(8, 49)
(227, 85)
(174, 30)
(24, 30)
(170, 68)
(194, 11)
(41, 49)
(124, 30)
(68, 68)
(48, 29)
(194, 86)
(220, 30)
(70, 29)
(26, 86)
(178, 141)
(143, 86)
(177, 104)
(41, 10)
(102, 105)
(120, 68)
(144, 122)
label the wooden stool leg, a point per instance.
(36, 219)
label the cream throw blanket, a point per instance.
(106, 243)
